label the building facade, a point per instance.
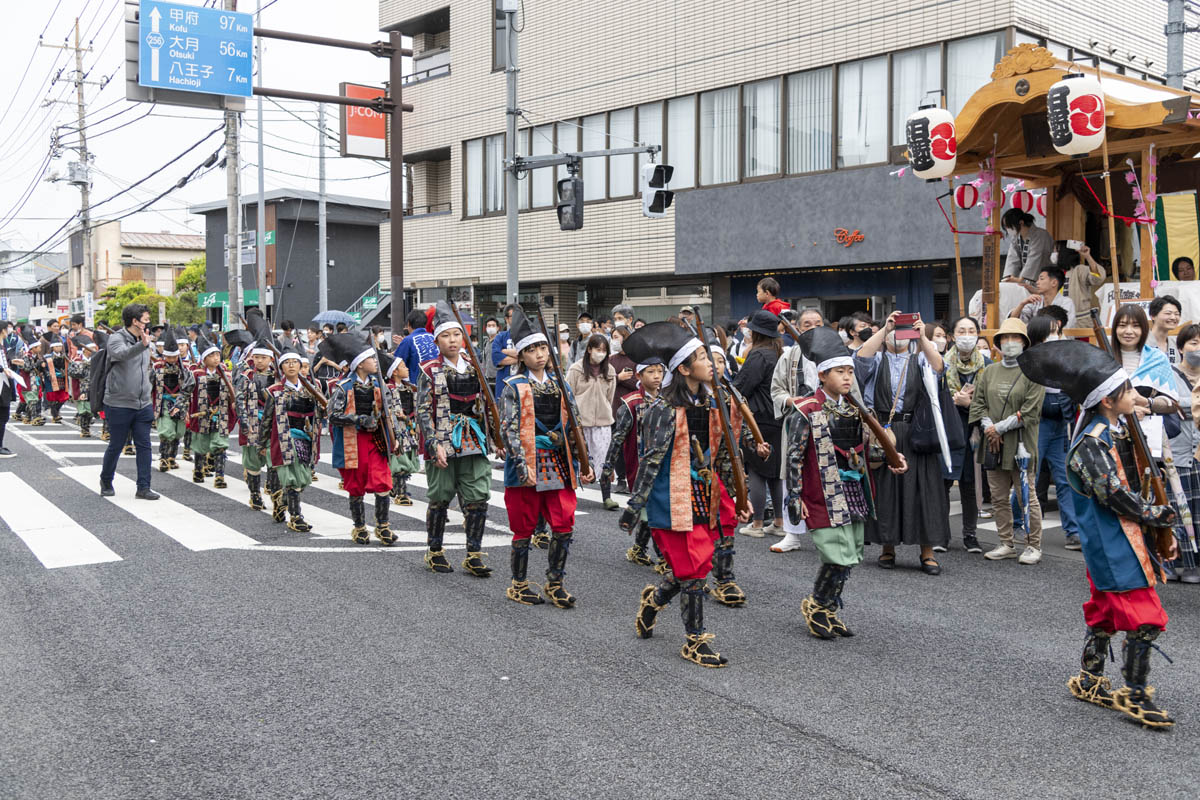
(352, 242)
(29, 284)
(783, 120)
(120, 256)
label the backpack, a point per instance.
(97, 379)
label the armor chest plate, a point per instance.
(301, 404)
(697, 421)
(212, 387)
(1128, 462)
(464, 390)
(262, 380)
(60, 363)
(406, 402)
(171, 379)
(845, 429)
(364, 398)
(547, 408)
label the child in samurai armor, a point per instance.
(539, 472)
(171, 385)
(628, 439)
(251, 385)
(288, 432)
(211, 415)
(1123, 566)
(54, 377)
(401, 404)
(359, 429)
(681, 482)
(453, 422)
(829, 483)
(79, 370)
(185, 358)
(318, 417)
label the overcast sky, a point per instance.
(131, 153)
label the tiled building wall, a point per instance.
(580, 58)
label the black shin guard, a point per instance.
(383, 530)
(556, 560)
(1136, 650)
(1095, 651)
(435, 525)
(519, 559)
(691, 606)
(218, 466)
(474, 521)
(358, 512)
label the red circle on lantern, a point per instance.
(1087, 115)
(1022, 200)
(966, 196)
(943, 142)
(1041, 204)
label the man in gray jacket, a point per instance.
(127, 398)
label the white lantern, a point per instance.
(1075, 111)
(932, 143)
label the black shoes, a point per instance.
(971, 544)
(106, 490)
(147, 494)
(6, 453)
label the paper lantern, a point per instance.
(966, 196)
(1041, 204)
(1022, 200)
(1075, 110)
(932, 144)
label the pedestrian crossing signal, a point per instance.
(570, 203)
(656, 198)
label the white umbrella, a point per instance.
(931, 388)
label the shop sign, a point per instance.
(846, 237)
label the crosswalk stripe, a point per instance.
(52, 536)
(76, 441)
(190, 528)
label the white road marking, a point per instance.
(52, 536)
(190, 528)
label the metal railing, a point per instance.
(424, 211)
(359, 305)
(426, 74)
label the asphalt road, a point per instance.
(187, 662)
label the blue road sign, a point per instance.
(193, 49)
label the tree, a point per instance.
(182, 308)
(115, 298)
(193, 276)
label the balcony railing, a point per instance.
(429, 210)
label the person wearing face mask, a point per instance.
(593, 381)
(964, 362)
(579, 346)
(627, 383)
(1058, 412)
(1183, 448)
(1008, 407)
(912, 508)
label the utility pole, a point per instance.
(260, 247)
(233, 216)
(322, 252)
(1175, 30)
(512, 286)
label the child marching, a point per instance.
(359, 428)
(211, 414)
(1115, 519)
(829, 484)
(288, 434)
(681, 481)
(453, 420)
(54, 376)
(79, 371)
(171, 386)
(251, 385)
(628, 441)
(539, 472)
(402, 404)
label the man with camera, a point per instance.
(127, 403)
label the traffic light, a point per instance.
(656, 197)
(570, 203)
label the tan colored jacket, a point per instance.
(593, 397)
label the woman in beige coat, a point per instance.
(594, 382)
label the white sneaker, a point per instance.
(1032, 555)
(789, 542)
(937, 548)
(772, 530)
(750, 530)
(1001, 551)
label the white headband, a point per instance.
(836, 361)
(530, 340)
(262, 351)
(395, 363)
(681, 355)
(174, 352)
(212, 348)
(288, 355)
(361, 357)
(445, 326)
(1105, 389)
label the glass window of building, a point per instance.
(916, 81)
(650, 131)
(499, 40)
(542, 180)
(969, 65)
(566, 139)
(494, 164)
(719, 136)
(620, 168)
(681, 141)
(810, 121)
(594, 136)
(523, 184)
(863, 112)
(473, 177)
(760, 112)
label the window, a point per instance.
(969, 65)
(620, 168)
(595, 170)
(567, 140)
(499, 39)
(760, 110)
(494, 157)
(862, 112)
(718, 136)
(649, 131)
(473, 177)
(810, 121)
(916, 81)
(681, 141)
(523, 183)
(542, 180)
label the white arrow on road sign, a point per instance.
(155, 40)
